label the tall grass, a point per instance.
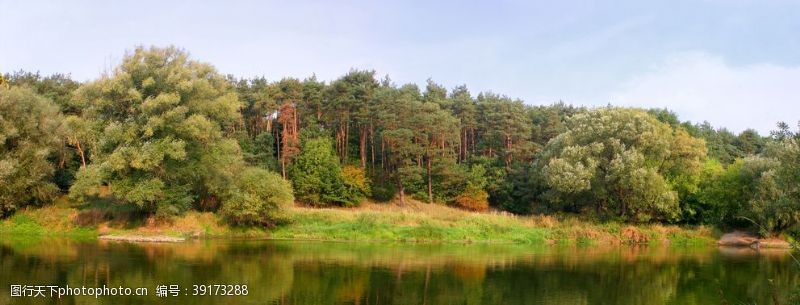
(419, 222)
(413, 222)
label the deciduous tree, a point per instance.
(31, 131)
(619, 161)
(165, 121)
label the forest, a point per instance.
(163, 134)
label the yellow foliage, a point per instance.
(354, 176)
(473, 200)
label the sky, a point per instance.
(733, 63)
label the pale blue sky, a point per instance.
(733, 63)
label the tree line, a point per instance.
(165, 133)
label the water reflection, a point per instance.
(347, 273)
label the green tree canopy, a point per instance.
(165, 119)
(317, 177)
(31, 130)
(619, 162)
(260, 197)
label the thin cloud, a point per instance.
(702, 87)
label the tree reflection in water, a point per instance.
(279, 272)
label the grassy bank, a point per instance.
(54, 220)
(64, 218)
(414, 222)
(419, 222)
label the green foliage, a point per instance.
(356, 183)
(164, 144)
(472, 195)
(724, 189)
(318, 180)
(775, 205)
(259, 197)
(57, 87)
(449, 179)
(163, 134)
(398, 136)
(619, 162)
(259, 152)
(755, 192)
(384, 192)
(665, 115)
(750, 142)
(726, 147)
(550, 121)
(506, 128)
(31, 129)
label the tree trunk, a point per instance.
(623, 210)
(339, 142)
(509, 143)
(278, 147)
(430, 185)
(465, 143)
(472, 133)
(372, 147)
(80, 152)
(461, 145)
(402, 191)
(362, 146)
(294, 115)
(283, 167)
(63, 156)
(346, 141)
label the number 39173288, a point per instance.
(221, 290)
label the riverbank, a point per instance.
(420, 222)
(371, 222)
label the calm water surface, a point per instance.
(279, 272)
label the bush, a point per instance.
(318, 179)
(356, 183)
(474, 196)
(475, 200)
(258, 198)
(383, 192)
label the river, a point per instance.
(300, 272)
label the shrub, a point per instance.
(318, 179)
(356, 183)
(474, 200)
(383, 192)
(259, 197)
(632, 235)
